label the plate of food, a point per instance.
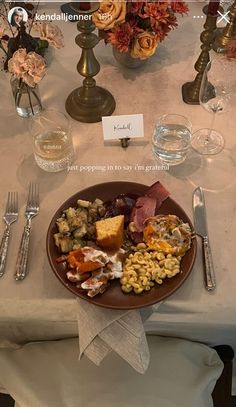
(121, 245)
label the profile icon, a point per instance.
(17, 16)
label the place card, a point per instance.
(123, 126)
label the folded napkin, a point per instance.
(102, 330)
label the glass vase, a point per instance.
(27, 99)
(125, 59)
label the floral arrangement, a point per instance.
(137, 27)
(24, 52)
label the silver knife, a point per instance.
(200, 222)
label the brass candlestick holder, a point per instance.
(226, 34)
(89, 102)
(190, 90)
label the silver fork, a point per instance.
(11, 215)
(32, 209)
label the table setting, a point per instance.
(111, 239)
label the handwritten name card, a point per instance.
(124, 126)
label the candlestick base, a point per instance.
(92, 107)
(190, 91)
(88, 103)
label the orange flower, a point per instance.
(157, 11)
(135, 7)
(145, 45)
(110, 12)
(121, 37)
(179, 7)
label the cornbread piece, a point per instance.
(110, 232)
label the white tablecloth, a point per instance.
(40, 307)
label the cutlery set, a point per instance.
(11, 216)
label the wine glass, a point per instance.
(214, 97)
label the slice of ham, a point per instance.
(147, 205)
(158, 192)
(143, 209)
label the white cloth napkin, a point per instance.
(102, 330)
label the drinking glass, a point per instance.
(214, 97)
(52, 141)
(172, 138)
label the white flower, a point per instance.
(51, 33)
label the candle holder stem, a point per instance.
(190, 90)
(225, 35)
(90, 102)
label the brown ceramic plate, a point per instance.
(114, 297)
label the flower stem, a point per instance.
(37, 98)
(30, 101)
(18, 93)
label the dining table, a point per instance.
(40, 307)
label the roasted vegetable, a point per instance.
(64, 243)
(76, 261)
(76, 225)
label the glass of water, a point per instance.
(52, 140)
(172, 138)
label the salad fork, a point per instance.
(10, 216)
(32, 210)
